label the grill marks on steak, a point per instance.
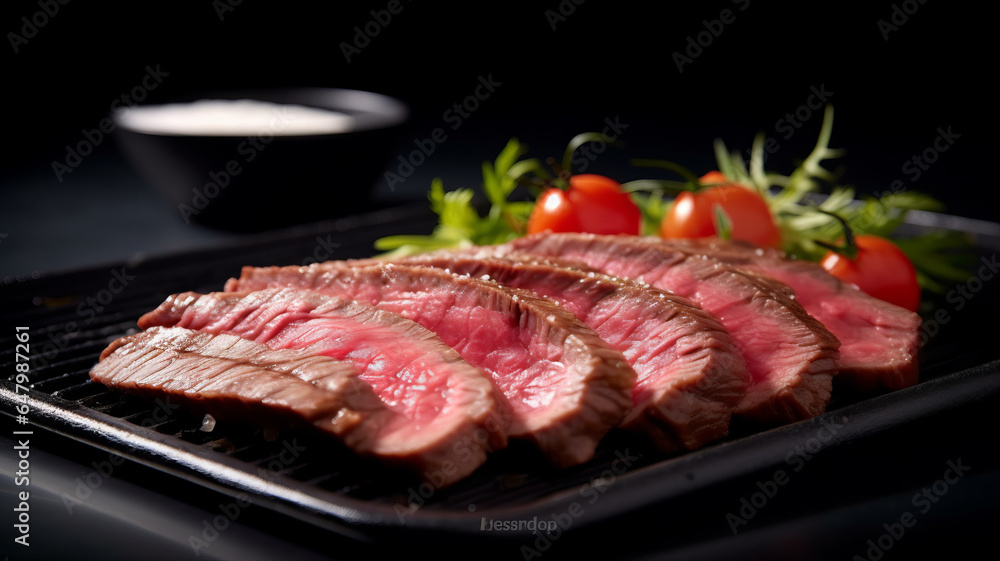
(441, 402)
(565, 387)
(690, 373)
(555, 338)
(790, 355)
(235, 378)
(879, 342)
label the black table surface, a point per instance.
(901, 75)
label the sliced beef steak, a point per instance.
(234, 378)
(690, 374)
(565, 387)
(447, 411)
(790, 355)
(879, 342)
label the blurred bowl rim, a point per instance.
(370, 111)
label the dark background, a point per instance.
(606, 60)
(892, 91)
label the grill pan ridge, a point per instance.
(73, 316)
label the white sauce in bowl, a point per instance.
(240, 117)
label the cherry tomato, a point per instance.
(712, 178)
(553, 211)
(880, 269)
(693, 213)
(593, 203)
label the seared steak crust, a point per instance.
(565, 387)
(234, 378)
(690, 373)
(442, 402)
(790, 355)
(880, 342)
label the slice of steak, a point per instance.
(879, 341)
(790, 355)
(690, 374)
(234, 378)
(565, 387)
(447, 416)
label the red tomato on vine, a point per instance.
(694, 214)
(880, 269)
(593, 203)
